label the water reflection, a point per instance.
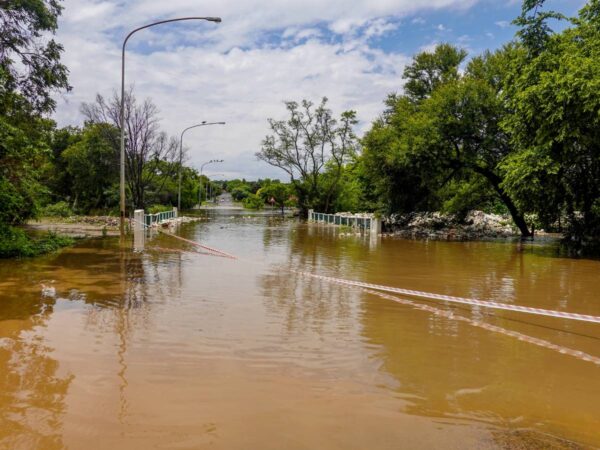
(109, 289)
(32, 391)
(444, 368)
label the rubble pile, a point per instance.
(435, 225)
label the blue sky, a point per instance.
(264, 52)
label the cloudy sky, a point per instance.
(264, 52)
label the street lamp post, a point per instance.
(212, 161)
(122, 118)
(181, 156)
(208, 185)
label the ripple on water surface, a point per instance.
(168, 347)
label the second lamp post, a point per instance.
(181, 156)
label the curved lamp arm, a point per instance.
(181, 156)
(122, 121)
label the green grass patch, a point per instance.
(15, 243)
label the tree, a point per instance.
(534, 28)
(30, 67)
(23, 152)
(444, 131)
(30, 70)
(275, 193)
(305, 144)
(431, 69)
(92, 165)
(554, 122)
(146, 147)
(164, 187)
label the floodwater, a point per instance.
(172, 348)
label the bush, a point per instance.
(60, 209)
(253, 201)
(240, 194)
(155, 209)
(14, 242)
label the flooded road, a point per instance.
(172, 348)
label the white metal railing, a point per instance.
(363, 221)
(151, 219)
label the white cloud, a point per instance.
(236, 71)
(503, 23)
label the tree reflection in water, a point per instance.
(112, 288)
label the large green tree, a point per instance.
(92, 167)
(553, 95)
(30, 71)
(309, 142)
(443, 135)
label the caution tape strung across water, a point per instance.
(205, 247)
(486, 326)
(189, 241)
(461, 300)
(375, 289)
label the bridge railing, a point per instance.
(363, 222)
(158, 218)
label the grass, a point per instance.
(15, 243)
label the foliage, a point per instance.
(253, 201)
(93, 167)
(23, 152)
(147, 148)
(553, 97)
(155, 209)
(240, 193)
(30, 71)
(59, 209)
(310, 141)
(276, 194)
(30, 67)
(15, 243)
(446, 129)
(163, 187)
(534, 28)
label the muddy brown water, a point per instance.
(171, 348)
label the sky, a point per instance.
(263, 53)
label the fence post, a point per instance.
(375, 226)
(138, 218)
(175, 212)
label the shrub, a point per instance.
(60, 209)
(14, 242)
(253, 201)
(240, 194)
(155, 209)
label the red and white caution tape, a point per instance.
(464, 301)
(197, 244)
(493, 328)
(375, 289)
(205, 247)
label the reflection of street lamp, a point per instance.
(122, 118)
(181, 156)
(212, 161)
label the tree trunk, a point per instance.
(516, 215)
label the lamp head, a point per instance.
(214, 19)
